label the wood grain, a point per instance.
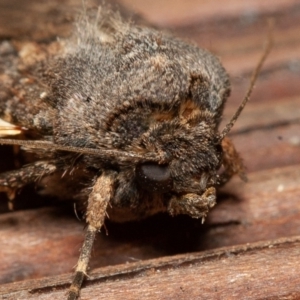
(249, 246)
(256, 271)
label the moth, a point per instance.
(122, 119)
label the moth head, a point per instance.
(187, 167)
(182, 138)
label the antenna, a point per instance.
(104, 154)
(254, 76)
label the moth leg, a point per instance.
(196, 206)
(11, 181)
(232, 162)
(96, 211)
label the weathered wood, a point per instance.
(184, 13)
(36, 20)
(267, 134)
(253, 271)
(46, 241)
(44, 21)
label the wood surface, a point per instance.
(249, 246)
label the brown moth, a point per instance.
(130, 112)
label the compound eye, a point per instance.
(154, 177)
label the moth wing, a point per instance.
(23, 94)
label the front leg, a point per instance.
(98, 201)
(196, 206)
(12, 181)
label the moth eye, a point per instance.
(219, 148)
(154, 177)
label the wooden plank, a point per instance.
(46, 241)
(136, 259)
(180, 13)
(18, 19)
(256, 271)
